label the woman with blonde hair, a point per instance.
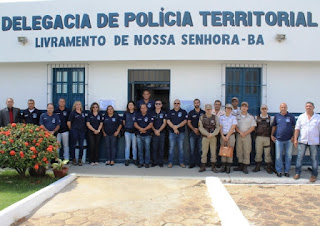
(77, 126)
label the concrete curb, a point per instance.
(25, 206)
(223, 203)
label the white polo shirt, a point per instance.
(309, 129)
(227, 123)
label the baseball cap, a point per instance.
(234, 98)
(228, 106)
(264, 106)
(208, 106)
(245, 103)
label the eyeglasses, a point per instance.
(176, 103)
(158, 103)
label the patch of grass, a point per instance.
(14, 188)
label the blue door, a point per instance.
(244, 83)
(69, 83)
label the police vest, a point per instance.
(263, 127)
(209, 124)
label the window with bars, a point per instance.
(244, 83)
(69, 83)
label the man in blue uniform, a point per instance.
(146, 100)
(32, 114)
(143, 123)
(158, 137)
(49, 120)
(63, 132)
(176, 119)
(195, 136)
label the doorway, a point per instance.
(158, 83)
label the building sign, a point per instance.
(159, 25)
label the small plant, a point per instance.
(60, 164)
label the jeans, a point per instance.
(314, 157)
(94, 144)
(63, 139)
(158, 148)
(280, 147)
(76, 135)
(144, 144)
(111, 147)
(195, 148)
(173, 138)
(130, 138)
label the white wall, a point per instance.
(23, 82)
(293, 83)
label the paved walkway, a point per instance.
(119, 170)
(278, 205)
(128, 201)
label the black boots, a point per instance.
(269, 168)
(239, 168)
(245, 170)
(228, 168)
(258, 164)
(202, 167)
(223, 167)
(213, 167)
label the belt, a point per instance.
(230, 135)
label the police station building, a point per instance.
(263, 52)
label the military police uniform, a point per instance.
(262, 143)
(209, 125)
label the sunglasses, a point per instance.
(176, 103)
(158, 103)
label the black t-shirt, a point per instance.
(176, 117)
(64, 116)
(78, 121)
(143, 121)
(111, 124)
(158, 119)
(31, 117)
(94, 120)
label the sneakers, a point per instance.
(296, 177)
(313, 179)
(170, 165)
(182, 165)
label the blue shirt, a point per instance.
(285, 125)
(143, 122)
(78, 121)
(49, 122)
(194, 116)
(111, 124)
(128, 119)
(64, 116)
(94, 120)
(176, 117)
(32, 118)
(158, 119)
(150, 105)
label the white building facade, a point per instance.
(264, 52)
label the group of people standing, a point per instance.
(144, 125)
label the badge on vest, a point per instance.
(113, 119)
(98, 117)
(212, 121)
(146, 119)
(53, 120)
(133, 118)
(161, 115)
(180, 114)
(149, 105)
(64, 113)
(82, 115)
(34, 115)
(288, 119)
